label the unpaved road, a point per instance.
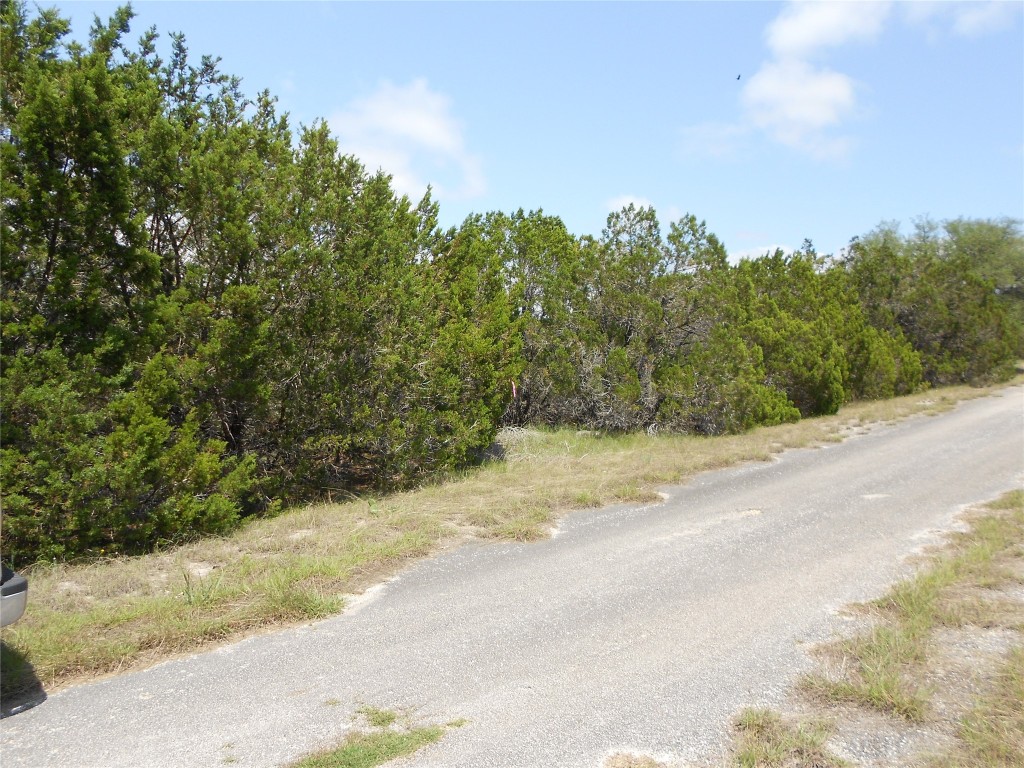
(640, 628)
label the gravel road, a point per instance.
(641, 628)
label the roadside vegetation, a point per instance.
(242, 379)
(939, 666)
(380, 737)
(108, 615)
(992, 733)
(886, 667)
(209, 316)
(765, 740)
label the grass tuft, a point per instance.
(765, 740)
(378, 718)
(387, 739)
(365, 750)
(625, 760)
(992, 734)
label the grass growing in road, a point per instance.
(387, 738)
(90, 619)
(624, 760)
(378, 718)
(968, 589)
(365, 750)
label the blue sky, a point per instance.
(846, 114)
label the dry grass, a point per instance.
(625, 760)
(943, 635)
(992, 734)
(886, 667)
(88, 620)
(765, 740)
(943, 660)
(933, 669)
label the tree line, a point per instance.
(207, 314)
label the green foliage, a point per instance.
(721, 389)
(202, 318)
(995, 252)
(765, 740)
(198, 318)
(83, 475)
(882, 365)
(550, 276)
(940, 293)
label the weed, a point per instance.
(366, 750)
(585, 499)
(199, 591)
(992, 734)
(765, 740)
(624, 760)
(378, 718)
(383, 743)
(882, 668)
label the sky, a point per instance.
(773, 122)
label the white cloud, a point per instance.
(804, 28)
(799, 103)
(409, 132)
(671, 214)
(796, 102)
(977, 19)
(966, 19)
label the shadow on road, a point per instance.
(20, 689)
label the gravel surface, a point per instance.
(635, 628)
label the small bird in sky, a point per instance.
(737, 77)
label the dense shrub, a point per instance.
(204, 316)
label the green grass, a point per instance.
(882, 668)
(378, 718)
(90, 619)
(765, 740)
(366, 750)
(389, 736)
(992, 734)
(625, 760)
